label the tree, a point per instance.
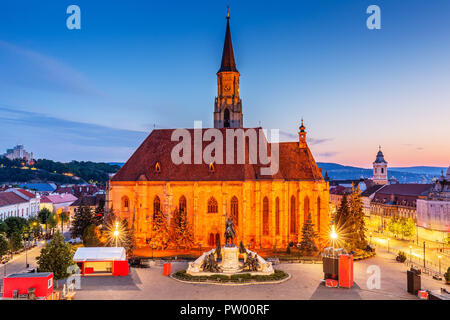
(52, 221)
(126, 234)
(342, 212)
(181, 231)
(160, 231)
(394, 226)
(83, 218)
(307, 245)
(408, 228)
(15, 225)
(3, 246)
(63, 218)
(34, 226)
(91, 236)
(357, 223)
(56, 257)
(15, 241)
(3, 227)
(43, 215)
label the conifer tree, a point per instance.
(307, 245)
(184, 236)
(342, 212)
(355, 227)
(160, 231)
(83, 217)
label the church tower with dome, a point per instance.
(380, 169)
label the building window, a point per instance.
(235, 210)
(212, 205)
(211, 167)
(182, 204)
(266, 216)
(293, 216)
(306, 211)
(382, 170)
(156, 206)
(277, 216)
(157, 167)
(125, 203)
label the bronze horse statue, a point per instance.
(230, 234)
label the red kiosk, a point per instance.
(337, 268)
(38, 285)
(102, 261)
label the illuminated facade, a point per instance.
(268, 209)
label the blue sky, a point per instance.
(96, 93)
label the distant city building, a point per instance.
(433, 209)
(91, 201)
(58, 202)
(18, 152)
(397, 200)
(380, 169)
(39, 187)
(79, 190)
(18, 203)
(367, 197)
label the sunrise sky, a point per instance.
(96, 93)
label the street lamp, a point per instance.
(25, 238)
(333, 235)
(116, 232)
(439, 258)
(388, 243)
(410, 254)
(370, 238)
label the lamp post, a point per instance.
(333, 236)
(424, 265)
(25, 238)
(410, 254)
(388, 243)
(439, 258)
(370, 238)
(116, 232)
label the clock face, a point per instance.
(227, 88)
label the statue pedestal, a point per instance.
(230, 260)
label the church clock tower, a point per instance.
(228, 104)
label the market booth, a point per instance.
(102, 261)
(38, 285)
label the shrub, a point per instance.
(447, 275)
(401, 257)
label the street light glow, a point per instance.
(333, 234)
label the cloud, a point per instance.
(29, 69)
(311, 141)
(66, 140)
(327, 154)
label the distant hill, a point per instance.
(120, 164)
(418, 174)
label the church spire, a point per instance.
(228, 104)
(228, 63)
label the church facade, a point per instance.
(268, 210)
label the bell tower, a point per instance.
(380, 175)
(228, 104)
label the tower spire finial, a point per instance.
(228, 12)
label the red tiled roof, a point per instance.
(406, 189)
(26, 193)
(58, 198)
(294, 163)
(9, 198)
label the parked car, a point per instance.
(5, 260)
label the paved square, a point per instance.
(305, 283)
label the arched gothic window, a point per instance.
(156, 206)
(235, 210)
(266, 216)
(277, 216)
(212, 205)
(293, 216)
